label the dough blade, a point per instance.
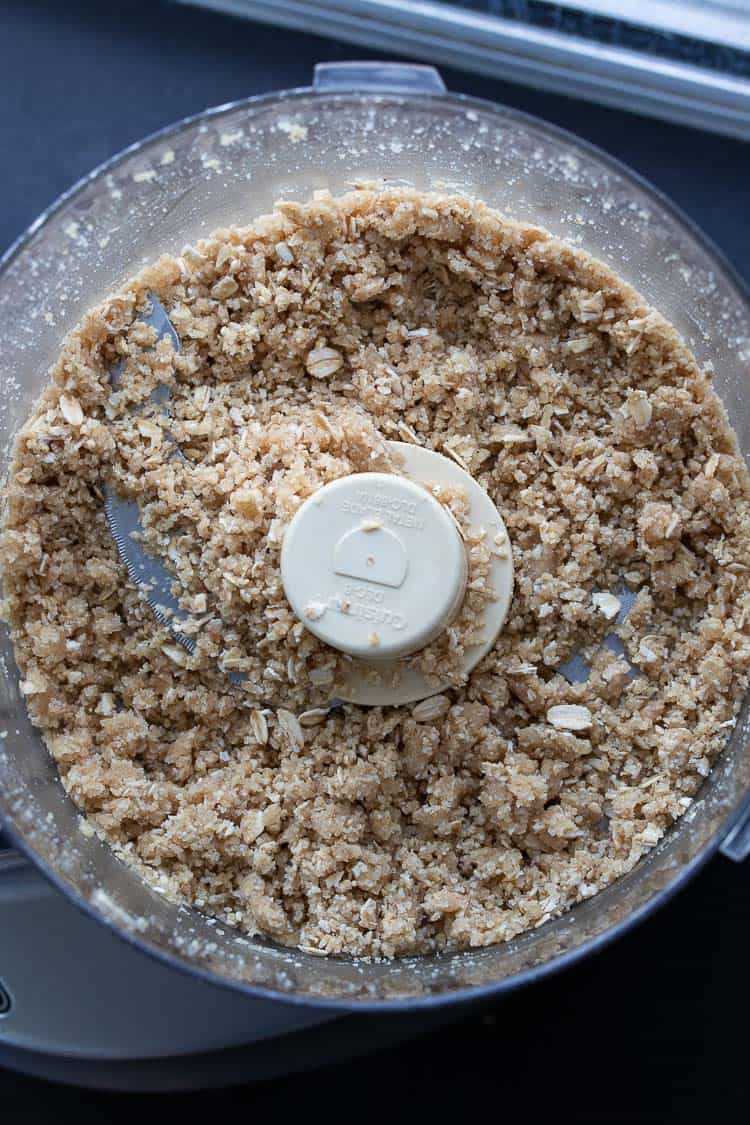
(576, 668)
(148, 573)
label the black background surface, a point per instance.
(654, 1028)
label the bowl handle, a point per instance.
(10, 859)
(736, 843)
(393, 78)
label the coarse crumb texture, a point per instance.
(309, 339)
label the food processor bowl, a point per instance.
(357, 123)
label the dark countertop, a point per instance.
(649, 1030)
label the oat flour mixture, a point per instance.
(308, 340)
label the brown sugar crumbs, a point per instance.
(308, 341)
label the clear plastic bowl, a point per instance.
(357, 123)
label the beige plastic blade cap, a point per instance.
(375, 567)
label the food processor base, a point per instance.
(80, 1006)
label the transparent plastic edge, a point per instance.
(736, 843)
(392, 78)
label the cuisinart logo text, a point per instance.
(366, 605)
(393, 509)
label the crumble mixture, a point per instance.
(309, 339)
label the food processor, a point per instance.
(359, 123)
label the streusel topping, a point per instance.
(309, 339)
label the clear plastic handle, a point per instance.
(10, 859)
(386, 77)
(736, 843)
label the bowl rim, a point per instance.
(461, 995)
